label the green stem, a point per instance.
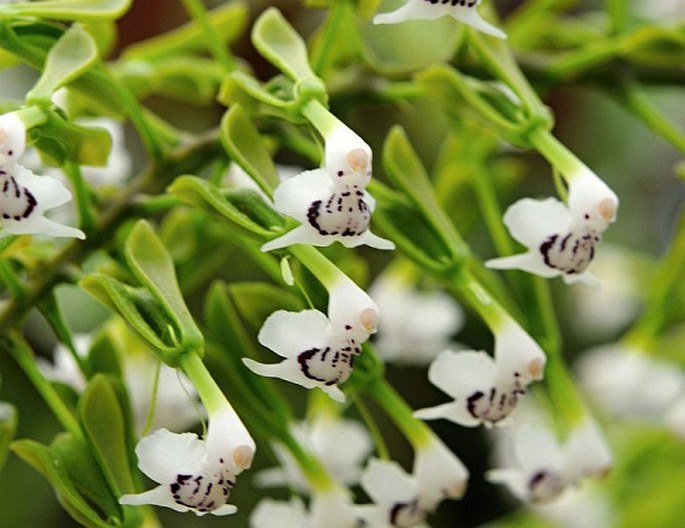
(558, 155)
(9, 277)
(197, 11)
(415, 431)
(323, 269)
(320, 117)
(26, 360)
(31, 116)
(207, 389)
(82, 197)
(658, 309)
(372, 426)
(634, 99)
(311, 466)
(330, 33)
(498, 59)
(490, 207)
(480, 300)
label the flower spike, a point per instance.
(461, 10)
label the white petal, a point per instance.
(347, 157)
(590, 200)
(295, 195)
(270, 513)
(517, 352)
(531, 222)
(513, 479)
(163, 455)
(387, 483)
(531, 262)
(351, 310)
(367, 238)
(454, 411)
(226, 509)
(12, 138)
(49, 192)
(461, 373)
(159, 496)
(302, 234)
(537, 448)
(39, 225)
(586, 278)
(439, 473)
(333, 509)
(288, 370)
(423, 10)
(471, 17)
(343, 445)
(291, 333)
(413, 10)
(586, 452)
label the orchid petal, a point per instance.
(386, 482)
(532, 221)
(530, 262)
(424, 10)
(290, 333)
(163, 455)
(460, 373)
(12, 138)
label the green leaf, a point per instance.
(193, 80)
(85, 473)
(103, 421)
(58, 141)
(245, 145)
(8, 428)
(102, 356)
(281, 45)
(72, 54)
(139, 309)
(67, 9)
(255, 301)
(50, 464)
(228, 22)
(403, 167)
(150, 262)
(197, 191)
(407, 227)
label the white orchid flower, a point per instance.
(628, 383)
(328, 211)
(395, 495)
(315, 356)
(342, 446)
(416, 325)
(195, 475)
(25, 197)
(331, 508)
(561, 238)
(486, 390)
(540, 468)
(331, 203)
(439, 474)
(463, 11)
